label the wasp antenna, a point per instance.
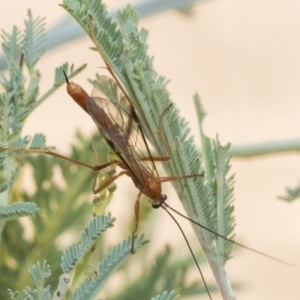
(227, 239)
(66, 77)
(191, 251)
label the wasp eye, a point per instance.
(159, 203)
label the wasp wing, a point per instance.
(118, 122)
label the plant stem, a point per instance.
(266, 148)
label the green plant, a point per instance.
(207, 200)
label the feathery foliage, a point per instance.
(220, 184)
(166, 296)
(17, 210)
(39, 274)
(291, 194)
(123, 48)
(89, 236)
(20, 95)
(90, 287)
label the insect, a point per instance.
(117, 121)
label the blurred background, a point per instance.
(242, 57)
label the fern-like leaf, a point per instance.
(292, 194)
(225, 221)
(38, 141)
(17, 295)
(89, 237)
(34, 40)
(166, 296)
(12, 45)
(39, 273)
(90, 287)
(18, 100)
(34, 294)
(17, 210)
(124, 51)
